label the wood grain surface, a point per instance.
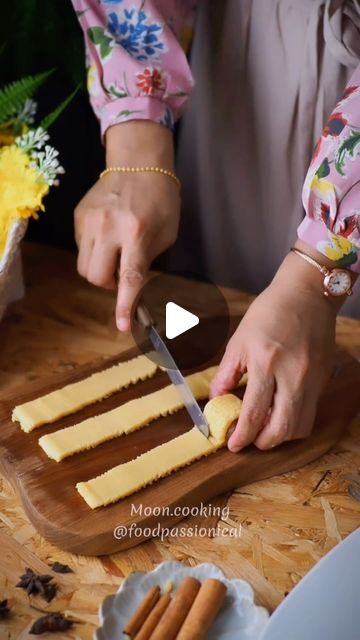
(287, 522)
(58, 512)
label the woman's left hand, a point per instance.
(286, 344)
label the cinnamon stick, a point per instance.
(204, 610)
(141, 613)
(153, 618)
(177, 611)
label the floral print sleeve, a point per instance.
(331, 193)
(137, 68)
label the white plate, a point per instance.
(239, 617)
(325, 603)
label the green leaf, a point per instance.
(125, 113)
(105, 48)
(51, 117)
(324, 169)
(95, 34)
(117, 92)
(13, 96)
(347, 260)
(98, 37)
(348, 147)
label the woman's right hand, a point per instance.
(127, 219)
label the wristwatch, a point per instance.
(337, 282)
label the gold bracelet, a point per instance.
(337, 282)
(324, 270)
(163, 172)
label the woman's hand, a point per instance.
(126, 220)
(286, 343)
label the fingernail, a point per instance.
(233, 447)
(122, 324)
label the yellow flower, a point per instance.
(21, 189)
(91, 77)
(337, 248)
(7, 135)
(324, 186)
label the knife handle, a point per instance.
(143, 316)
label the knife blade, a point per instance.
(168, 363)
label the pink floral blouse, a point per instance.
(137, 69)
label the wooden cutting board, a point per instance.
(47, 489)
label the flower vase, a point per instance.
(11, 278)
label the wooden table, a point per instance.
(288, 522)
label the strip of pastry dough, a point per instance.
(73, 397)
(127, 478)
(124, 419)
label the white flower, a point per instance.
(47, 163)
(33, 139)
(43, 157)
(28, 111)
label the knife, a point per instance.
(168, 363)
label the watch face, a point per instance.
(338, 282)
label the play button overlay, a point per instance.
(190, 314)
(178, 320)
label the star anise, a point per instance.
(34, 584)
(51, 622)
(4, 609)
(61, 568)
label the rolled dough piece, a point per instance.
(73, 397)
(124, 419)
(127, 478)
